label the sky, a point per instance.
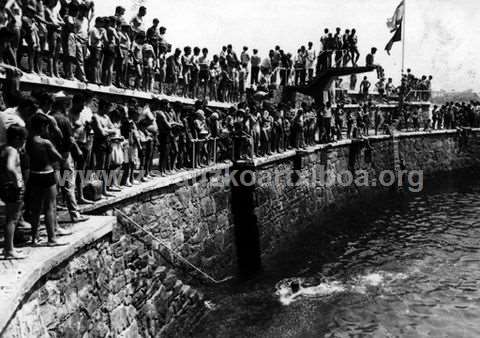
(442, 37)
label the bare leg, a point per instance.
(36, 207)
(13, 211)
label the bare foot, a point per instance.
(14, 255)
(55, 243)
(85, 201)
(63, 232)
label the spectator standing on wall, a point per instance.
(327, 121)
(365, 87)
(66, 146)
(338, 46)
(80, 116)
(353, 41)
(137, 21)
(12, 186)
(245, 57)
(300, 61)
(255, 70)
(42, 182)
(186, 62)
(203, 73)
(310, 62)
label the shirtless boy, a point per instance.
(11, 185)
(42, 180)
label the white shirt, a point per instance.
(9, 117)
(327, 112)
(311, 55)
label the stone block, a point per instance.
(200, 235)
(117, 283)
(170, 280)
(207, 206)
(221, 200)
(160, 273)
(212, 224)
(178, 286)
(118, 320)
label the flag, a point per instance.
(397, 36)
(397, 18)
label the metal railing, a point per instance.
(418, 95)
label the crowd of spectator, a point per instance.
(414, 88)
(89, 148)
(456, 114)
(76, 144)
(63, 38)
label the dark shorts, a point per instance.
(42, 180)
(10, 193)
(203, 75)
(194, 77)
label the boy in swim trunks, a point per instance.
(11, 185)
(42, 182)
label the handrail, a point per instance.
(159, 241)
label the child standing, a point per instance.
(242, 79)
(235, 84)
(149, 57)
(42, 182)
(11, 185)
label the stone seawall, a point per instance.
(291, 193)
(127, 284)
(193, 218)
(114, 288)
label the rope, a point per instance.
(204, 274)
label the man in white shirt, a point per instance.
(311, 56)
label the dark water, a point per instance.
(404, 266)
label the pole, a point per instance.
(403, 35)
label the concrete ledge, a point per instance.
(259, 161)
(155, 184)
(427, 133)
(35, 79)
(19, 277)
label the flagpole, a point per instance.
(403, 35)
